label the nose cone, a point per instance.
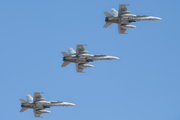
(71, 104)
(68, 104)
(115, 58)
(157, 18)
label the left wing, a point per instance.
(123, 9)
(80, 50)
(37, 97)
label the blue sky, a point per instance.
(142, 85)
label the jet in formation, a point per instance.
(124, 18)
(39, 104)
(81, 57)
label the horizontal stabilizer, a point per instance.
(23, 101)
(107, 24)
(23, 109)
(65, 64)
(108, 14)
(65, 54)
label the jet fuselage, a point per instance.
(131, 19)
(77, 59)
(46, 104)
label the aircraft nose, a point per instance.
(116, 58)
(71, 104)
(158, 18)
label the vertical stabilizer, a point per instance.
(71, 51)
(114, 12)
(29, 98)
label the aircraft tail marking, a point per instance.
(108, 14)
(107, 24)
(65, 54)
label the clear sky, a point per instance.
(142, 85)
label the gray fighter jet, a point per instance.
(39, 104)
(81, 57)
(124, 18)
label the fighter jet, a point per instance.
(124, 18)
(81, 57)
(39, 104)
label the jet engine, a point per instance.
(127, 26)
(106, 19)
(85, 65)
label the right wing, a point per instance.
(37, 97)
(122, 8)
(80, 50)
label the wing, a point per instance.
(121, 30)
(37, 97)
(123, 9)
(36, 114)
(80, 69)
(80, 50)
